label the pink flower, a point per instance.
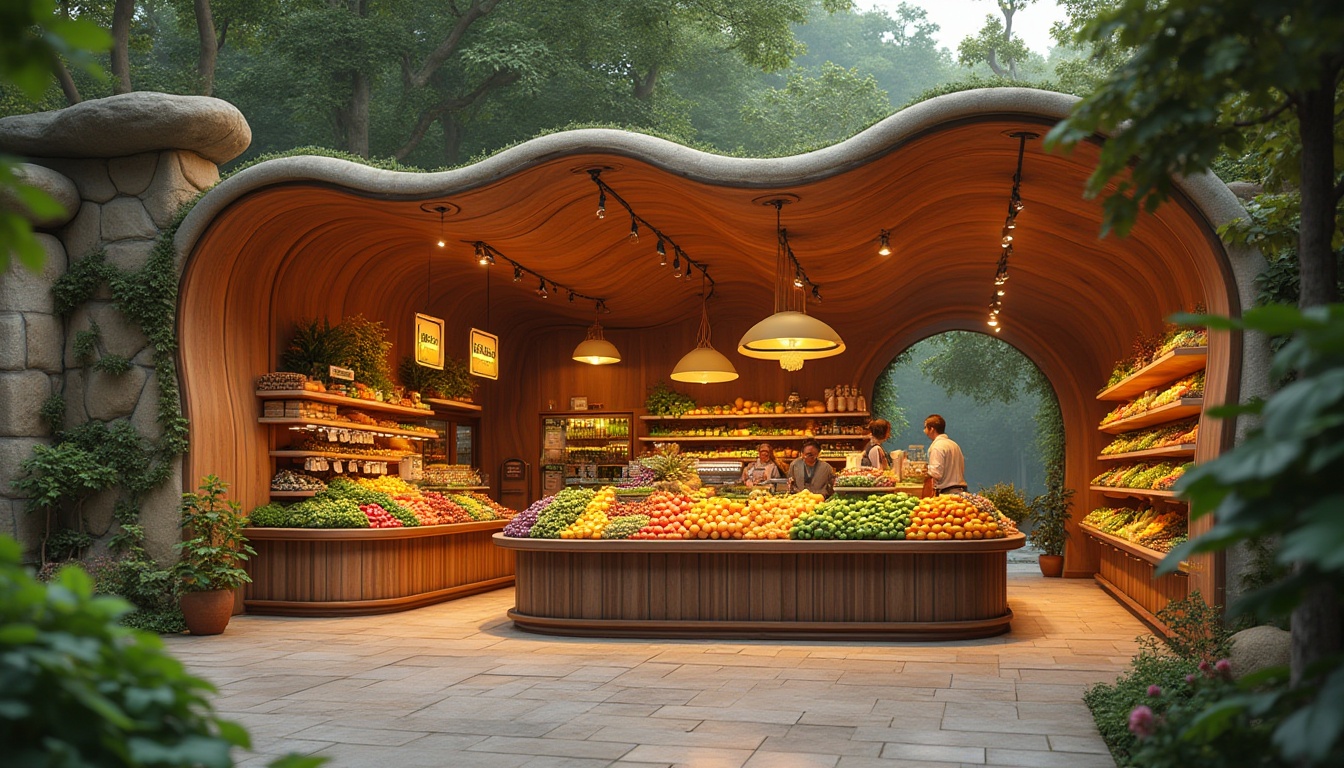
(1141, 722)
(1154, 691)
(1224, 667)
(1190, 679)
(1204, 667)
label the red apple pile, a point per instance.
(379, 517)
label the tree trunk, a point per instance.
(356, 117)
(1008, 12)
(644, 86)
(1316, 622)
(452, 138)
(205, 30)
(122, 15)
(67, 82)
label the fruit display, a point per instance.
(1190, 386)
(521, 524)
(667, 517)
(1147, 350)
(436, 509)
(312, 444)
(638, 476)
(379, 517)
(1142, 476)
(563, 510)
(460, 475)
(1182, 433)
(885, 517)
(501, 512)
(624, 527)
(864, 477)
(321, 511)
(478, 511)
(773, 517)
(672, 470)
(286, 480)
(1145, 527)
(593, 519)
(749, 453)
(1006, 523)
(952, 517)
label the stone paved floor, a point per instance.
(456, 685)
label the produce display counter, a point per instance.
(871, 590)
(362, 571)
(909, 489)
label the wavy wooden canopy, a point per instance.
(299, 238)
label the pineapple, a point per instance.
(672, 470)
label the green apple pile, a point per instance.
(563, 511)
(883, 517)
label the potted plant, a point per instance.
(213, 551)
(1049, 518)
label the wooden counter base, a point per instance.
(854, 590)
(359, 572)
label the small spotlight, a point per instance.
(688, 267)
(517, 274)
(816, 293)
(676, 261)
(797, 280)
(442, 244)
(601, 204)
(1000, 292)
(662, 253)
(541, 289)
(993, 322)
(1007, 239)
(634, 229)
(571, 297)
(884, 244)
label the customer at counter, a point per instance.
(874, 455)
(809, 472)
(763, 469)
(947, 465)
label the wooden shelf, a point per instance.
(292, 494)
(744, 438)
(1137, 493)
(1143, 553)
(342, 400)
(1183, 408)
(452, 488)
(722, 416)
(454, 405)
(1167, 368)
(284, 454)
(1183, 451)
(350, 425)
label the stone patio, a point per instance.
(456, 685)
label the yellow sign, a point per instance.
(429, 341)
(484, 354)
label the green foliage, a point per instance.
(85, 344)
(52, 412)
(316, 344)
(1049, 518)
(115, 365)
(141, 582)
(57, 473)
(813, 110)
(214, 547)
(454, 381)
(994, 45)
(1280, 482)
(66, 544)
(1111, 703)
(369, 349)
(663, 400)
(81, 281)
(1009, 500)
(76, 688)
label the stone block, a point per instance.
(76, 386)
(160, 514)
(27, 528)
(13, 452)
(76, 322)
(201, 173)
(83, 234)
(21, 395)
(133, 174)
(169, 190)
(129, 255)
(1259, 648)
(13, 342)
(145, 418)
(90, 176)
(126, 218)
(97, 510)
(25, 291)
(54, 183)
(118, 334)
(111, 397)
(45, 342)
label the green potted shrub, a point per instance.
(1049, 519)
(213, 552)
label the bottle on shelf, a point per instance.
(862, 404)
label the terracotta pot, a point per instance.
(207, 613)
(1052, 565)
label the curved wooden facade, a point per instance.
(895, 590)
(361, 571)
(330, 240)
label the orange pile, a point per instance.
(667, 516)
(772, 517)
(942, 518)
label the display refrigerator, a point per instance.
(584, 448)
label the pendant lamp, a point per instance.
(790, 335)
(704, 364)
(596, 350)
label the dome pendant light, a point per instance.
(596, 350)
(704, 364)
(790, 335)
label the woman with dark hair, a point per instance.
(874, 455)
(763, 469)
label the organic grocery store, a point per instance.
(583, 340)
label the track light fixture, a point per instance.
(517, 274)
(634, 229)
(1015, 206)
(541, 289)
(636, 221)
(487, 254)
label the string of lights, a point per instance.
(487, 256)
(1015, 206)
(663, 240)
(800, 278)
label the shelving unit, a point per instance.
(343, 401)
(1127, 570)
(803, 421)
(585, 447)
(751, 416)
(349, 425)
(746, 438)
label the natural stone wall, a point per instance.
(123, 167)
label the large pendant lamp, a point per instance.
(596, 350)
(704, 364)
(790, 335)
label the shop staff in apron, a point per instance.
(810, 472)
(763, 468)
(947, 466)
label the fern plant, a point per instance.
(316, 346)
(454, 381)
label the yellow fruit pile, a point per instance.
(948, 517)
(594, 518)
(716, 518)
(772, 517)
(389, 485)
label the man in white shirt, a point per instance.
(947, 466)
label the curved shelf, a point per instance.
(351, 426)
(1143, 553)
(683, 546)
(455, 405)
(370, 534)
(452, 488)
(1183, 451)
(1165, 369)
(744, 438)
(284, 454)
(721, 416)
(292, 494)
(342, 400)
(1183, 408)
(909, 489)
(1138, 493)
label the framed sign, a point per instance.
(484, 354)
(579, 403)
(429, 341)
(340, 374)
